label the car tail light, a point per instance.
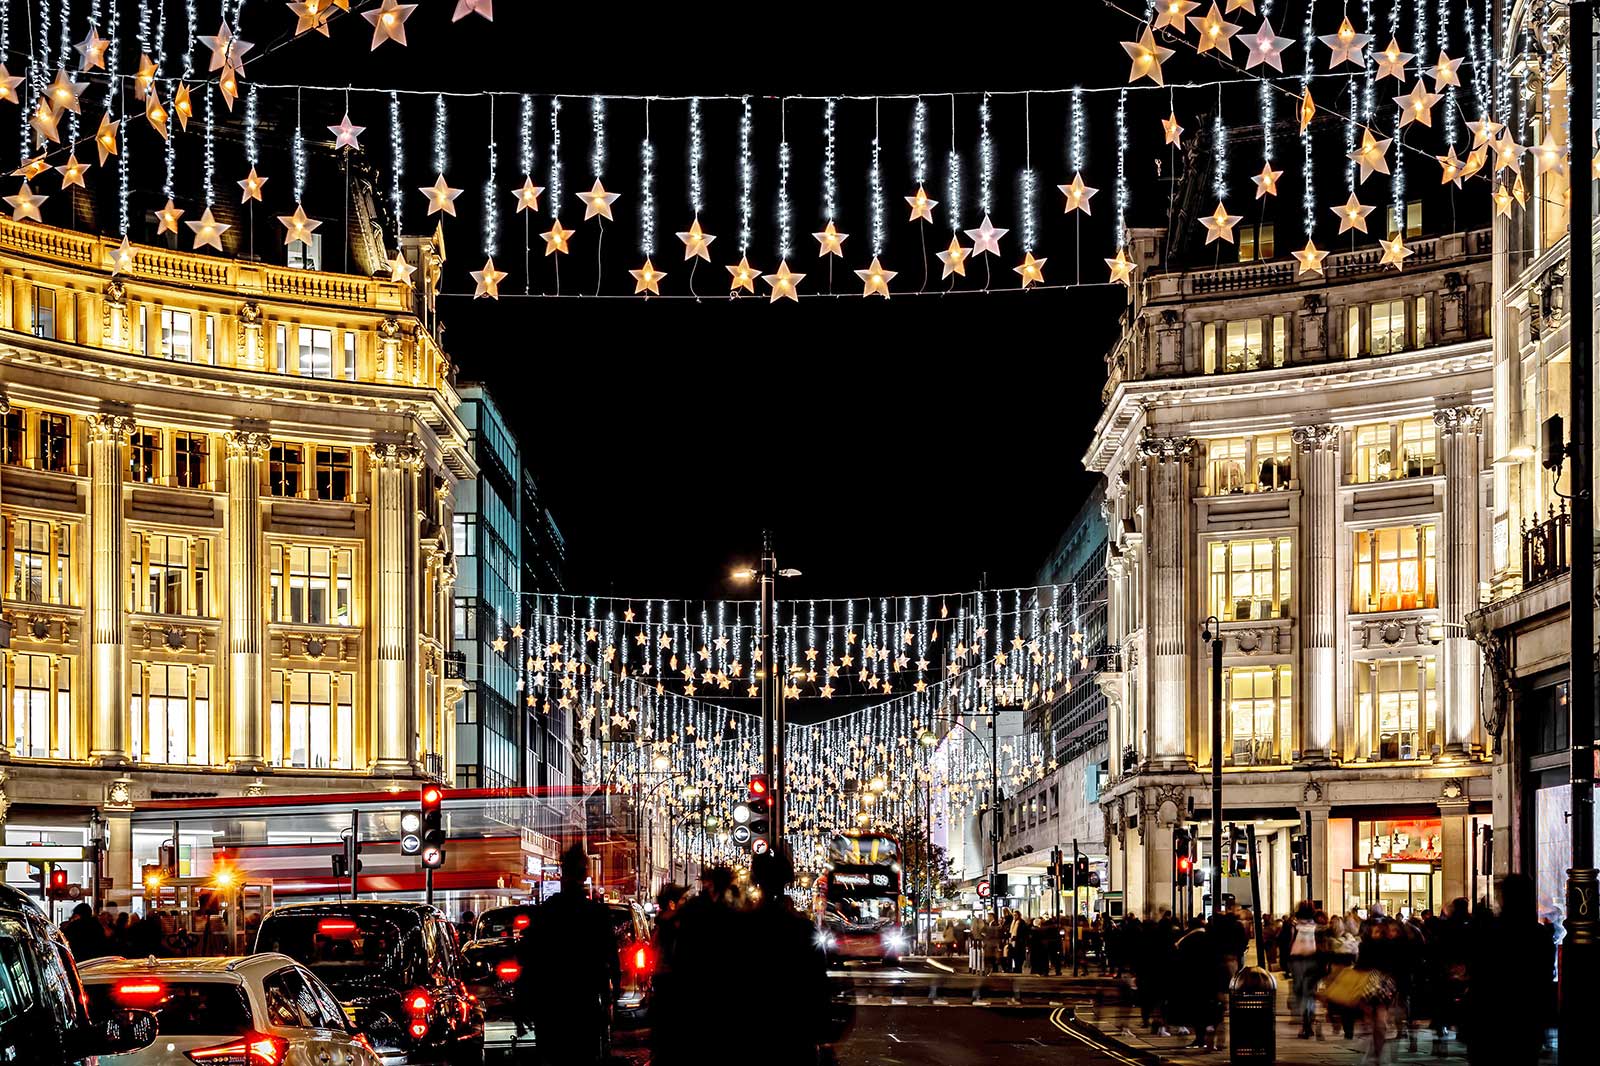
(336, 927)
(641, 959)
(520, 922)
(419, 1029)
(508, 970)
(140, 991)
(418, 1002)
(252, 1049)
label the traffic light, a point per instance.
(1080, 875)
(410, 833)
(58, 883)
(341, 865)
(1297, 855)
(1182, 860)
(432, 817)
(1240, 866)
(758, 815)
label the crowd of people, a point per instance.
(93, 934)
(1013, 943)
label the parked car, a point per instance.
(396, 969)
(256, 1010)
(636, 953)
(504, 923)
(44, 1016)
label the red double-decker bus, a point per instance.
(859, 903)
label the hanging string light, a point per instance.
(170, 142)
(696, 155)
(441, 139)
(919, 141)
(554, 182)
(985, 156)
(647, 189)
(114, 71)
(1397, 176)
(397, 163)
(1368, 68)
(746, 177)
(36, 70)
(1268, 102)
(953, 175)
(1450, 91)
(783, 180)
(875, 183)
(1076, 134)
(252, 116)
(211, 142)
(1121, 232)
(597, 116)
(1308, 195)
(491, 193)
(65, 62)
(297, 154)
(1219, 148)
(1029, 181)
(525, 135)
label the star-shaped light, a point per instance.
(1215, 32)
(441, 197)
(72, 172)
(830, 241)
(1444, 71)
(1310, 258)
(1170, 130)
(1507, 154)
(227, 50)
(1346, 45)
(346, 134)
(1147, 58)
(697, 242)
(64, 92)
(311, 15)
(228, 85)
(744, 276)
(647, 278)
(1503, 200)
(25, 204)
(298, 227)
(252, 186)
(1519, 191)
(986, 238)
(1078, 195)
(1247, 6)
(555, 239)
(1395, 252)
(1032, 270)
(473, 7)
(1267, 181)
(1308, 109)
(1475, 162)
(784, 283)
(597, 201)
(208, 231)
(92, 49)
(1171, 13)
(1373, 155)
(486, 282)
(1219, 225)
(31, 168)
(1551, 156)
(105, 138)
(921, 206)
(182, 106)
(144, 77)
(1450, 168)
(156, 113)
(528, 195)
(1392, 62)
(1353, 215)
(1266, 47)
(875, 279)
(400, 270)
(167, 218)
(1485, 131)
(8, 85)
(954, 258)
(122, 257)
(1121, 268)
(44, 122)
(1417, 106)
(389, 22)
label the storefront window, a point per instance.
(1394, 569)
(1397, 865)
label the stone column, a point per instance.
(1323, 881)
(394, 470)
(1167, 462)
(252, 354)
(1454, 844)
(245, 593)
(1460, 431)
(108, 723)
(1319, 614)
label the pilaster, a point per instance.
(1460, 430)
(1319, 466)
(394, 519)
(108, 723)
(1167, 464)
(245, 591)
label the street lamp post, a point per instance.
(993, 715)
(1212, 634)
(772, 709)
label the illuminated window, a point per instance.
(1419, 448)
(1247, 344)
(285, 463)
(189, 460)
(311, 585)
(331, 471)
(170, 574)
(1420, 323)
(40, 686)
(1250, 578)
(1397, 704)
(306, 255)
(1395, 569)
(40, 561)
(177, 335)
(1256, 242)
(55, 443)
(316, 352)
(280, 353)
(349, 355)
(44, 312)
(1388, 327)
(1259, 701)
(144, 456)
(170, 705)
(14, 437)
(1248, 464)
(313, 719)
(211, 338)
(1413, 217)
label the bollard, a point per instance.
(1252, 1025)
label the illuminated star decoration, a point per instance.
(1032, 270)
(1170, 130)
(875, 279)
(44, 122)
(1171, 13)
(227, 51)
(1550, 157)
(92, 49)
(105, 138)
(1121, 268)
(31, 168)
(1372, 155)
(1503, 200)
(167, 219)
(252, 185)
(784, 282)
(744, 275)
(72, 172)
(181, 106)
(986, 238)
(156, 114)
(1247, 6)
(1395, 252)
(1308, 109)
(486, 282)
(25, 204)
(1147, 58)
(1346, 45)
(1266, 47)
(64, 92)
(1475, 161)
(1215, 32)
(1485, 131)
(1219, 225)
(954, 258)
(528, 196)
(1417, 106)
(1310, 258)
(400, 270)
(8, 85)
(1392, 62)
(346, 134)
(1507, 154)
(473, 7)
(697, 242)
(122, 257)
(830, 241)
(298, 227)
(921, 206)
(441, 197)
(208, 231)
(1267, 181)
(389, 22)
(647, 278)
(311, 15)
(555, 239)
(228, 85)
(1444, 71)
(146, 75)
(1353, 215)
(1078, 195)
(1451, 168)
(598, 202)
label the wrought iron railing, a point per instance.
(1544, 547)
(455, 665)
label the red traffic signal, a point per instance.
(58, 879)
(432, 838)
(758, 786)
(432, 797)
(1184, 864)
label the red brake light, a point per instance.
(641, 958)
(419, 1002)
(336, 927)
(140, 990)
(254, 1049)
(520, 922)
(509, 970)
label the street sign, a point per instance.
(758, 845)
(983, 889)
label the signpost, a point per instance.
(984, 889)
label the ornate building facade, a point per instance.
(1300, 460)
(225, 498)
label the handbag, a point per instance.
(1345, 988)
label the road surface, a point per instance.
(967, 1036)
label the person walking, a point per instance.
(1512, 987)
(85, 935)
(1017, 945)
(781, 943)
(1303, 959)
(571, 972)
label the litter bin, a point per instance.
(1252, 1029)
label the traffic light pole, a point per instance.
(355, 848)
(994, 817)
(772, 684)
(1214, 636)
(1074, 916)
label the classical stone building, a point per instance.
(1303, 458)
(225, 496)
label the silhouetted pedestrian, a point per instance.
(85, 935)
(571, 972)
(1512, 980)
(781, 944)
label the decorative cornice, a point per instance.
(1163, 449)
(1462, 419)
(1310, 438)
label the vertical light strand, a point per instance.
(875, 179)
(1369, 69)
(1028, 180)
(1450, 90)
(115, 96)
(38, 73)
(830, 188)
(441, 137)
(211, 143)
(252, 116)
(696, 158)
(491, 192)
(525, 117)
(783, 180)
(554, 183)
(597, 118)
(919, 141)
(190, 22)
(746, 176)
(170, 142)
(985, 156)
(1268, 101)
(1076, 134)
(297, 152)
(1481, 66)
(66, 64)
(397, 164)
(1308, 192)
(5, 53)
(1502, 92)
(1397, 175)
(647, 188)
(1219, 152)
(1122, 168)
(952, 188)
